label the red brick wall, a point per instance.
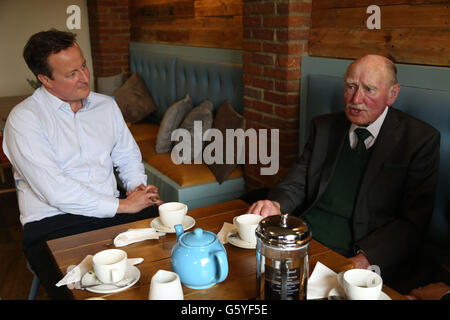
(109, 29)
(275, 37)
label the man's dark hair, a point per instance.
(41, 45)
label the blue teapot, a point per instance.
(199, 259)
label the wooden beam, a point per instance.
(327, 4)
(397, 16)
(418, 46)
(205, 23)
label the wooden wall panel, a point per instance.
(326, 4)
(412, 31)
(205, 23)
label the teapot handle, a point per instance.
(222, 265)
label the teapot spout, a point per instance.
(179, 230)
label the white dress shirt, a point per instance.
(63, 161)
(373, 128)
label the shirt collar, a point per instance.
(375, 127)
(57, 103)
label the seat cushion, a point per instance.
(185, 174)
(147, 148)
(144, 131)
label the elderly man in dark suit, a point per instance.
(366, 180)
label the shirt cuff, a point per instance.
(134, 184)
(107, 207)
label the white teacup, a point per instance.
(246, 225)
(165, 285)
(172, 213)
(110, 265)
(361, 284)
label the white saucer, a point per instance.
(90, 278)
(336, 292)
(188, 222)
(235, 240)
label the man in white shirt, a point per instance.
(64, 142)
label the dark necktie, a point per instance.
(362, 134)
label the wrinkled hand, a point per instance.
(360, 261)
(432, 291)
(265, 208)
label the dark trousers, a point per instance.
(35, 235)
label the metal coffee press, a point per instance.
(282, 258)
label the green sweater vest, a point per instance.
(331, 218)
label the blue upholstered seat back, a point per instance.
(169, 78)
(158, 72)
(215, 81)
(325, 95)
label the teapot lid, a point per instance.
(198, 238)
(284, 231)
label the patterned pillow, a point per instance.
(203, 113)
(226, 118)
(134, 100)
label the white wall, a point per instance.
(19, 19)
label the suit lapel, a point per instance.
(386, 141)
(336, 140)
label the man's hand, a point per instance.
(139, 199)
(149, 188)
(265, 208)
(360, 261)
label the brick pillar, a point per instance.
(275, 37)
(109, 29)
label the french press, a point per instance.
(282, 258)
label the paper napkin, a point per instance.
(321, 281)
(223, 233)
(75, 273)
(136, 235)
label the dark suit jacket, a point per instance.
(396, 195)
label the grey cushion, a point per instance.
(134, 100)
(172, 119)
(204, 113)
(226, 118)
(107, 85)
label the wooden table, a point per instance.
(241, 280)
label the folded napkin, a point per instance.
(321, 281)
(75, 273)
(223, 233)
(136, 235)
